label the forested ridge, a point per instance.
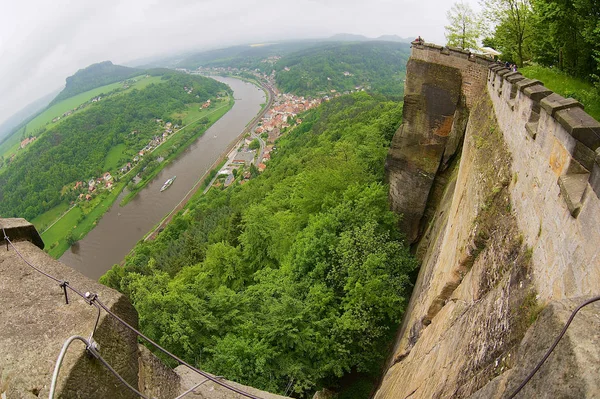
(377, 66)
(93, 76)
(298, 276)
(76, 149)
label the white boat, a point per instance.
(168, 183)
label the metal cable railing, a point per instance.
(92, 348)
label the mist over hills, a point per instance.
(25, 114)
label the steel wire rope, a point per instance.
(97, 355)
(59, 361)
(92, 299)
(174, 357)
(549, 351)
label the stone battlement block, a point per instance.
(581, 126)
(537, 92)
(555, 102)
(525, 83)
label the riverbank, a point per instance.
(74, 224)
(181, 143)
(197, 188)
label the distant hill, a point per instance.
(395, 38)
(93, 76)
(244, 56)
(348, 37)
(375, 66)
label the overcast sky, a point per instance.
(42, 42)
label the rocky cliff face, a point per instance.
(433, 126)
(482, 314)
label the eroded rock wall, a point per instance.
(508, 250)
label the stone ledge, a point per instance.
(532, 128)
(525, 83)
(19, 229)
(511, 73)
(515, 78)
(503, 71)
(537, 92)
(580, 125)
(572, 188)
(554, 103)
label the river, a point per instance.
(122, 227)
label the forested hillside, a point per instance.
(298, 276)
(93, 76)
(76, 149)
(375, 66)
(245, 56)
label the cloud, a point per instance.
(42, 42)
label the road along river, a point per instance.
(122, 227)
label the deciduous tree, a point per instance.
(464, 28)
(513, 26)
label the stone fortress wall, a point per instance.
(556, 162)
(499, 197)
(473, 67)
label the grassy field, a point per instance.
(46, 219)
(54, 237)
(112, 160)
(567, 86)
(11, 145)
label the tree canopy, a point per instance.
(464, 27)
(93, 76)
(299, 274)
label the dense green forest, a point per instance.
(376, 66)
(77, 148)
(298, 276)
(93, 76)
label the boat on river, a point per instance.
(168, 183)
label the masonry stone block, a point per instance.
(581, 126)
(584, 155)
(595, 176)
(523, 84)
(537, 92)
(517, 77)
(554, 103)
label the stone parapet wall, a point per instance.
(556, 174)
(473, 67)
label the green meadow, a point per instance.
(567, 86)
(11, 145)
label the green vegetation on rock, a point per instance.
(298, 275)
